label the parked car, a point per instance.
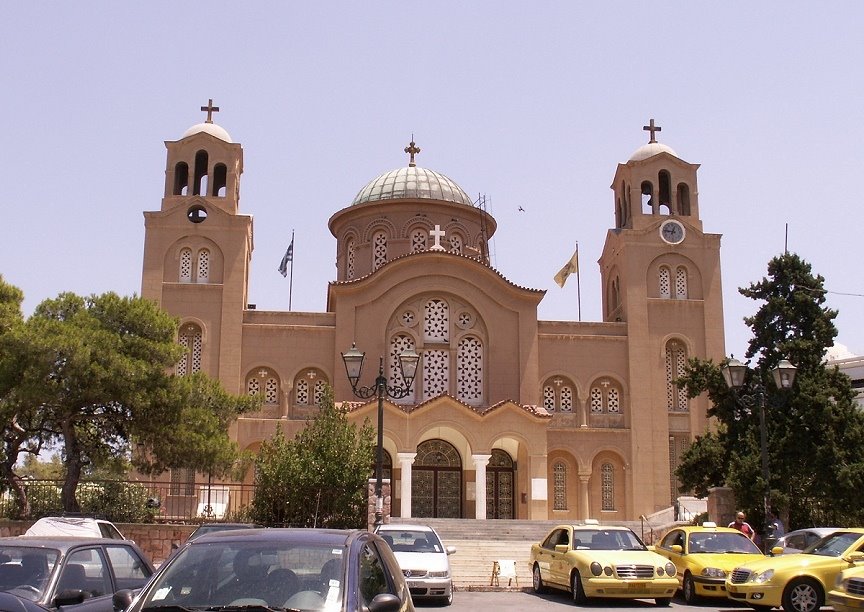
(80, 526)
(798, 540)
(211, 527)
(304, 569)
(590, 560)
(423, 559)
(797, 582)
(848, 592)
(68, 570)
(703, 556)
(13, 603)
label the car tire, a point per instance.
(663, 602)
(688, 589)
(576, 590)
(537, 580)
(803, 595)
(448, 600)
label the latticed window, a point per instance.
(349, 273)
(264, 381)
(559, 486)
(203, 273)
(399, 343)
(436, 372)
(469, 370)
(678, 443)
(320, 389)
(607, 487)
(549, 398)
(665, 282)
(301, 392)
(456, 243)
(605, 398)
(379, 249)
(613, 403)
(182, 482)
(189, 339)
(418, 240)
(186, 266)
(566, 399)
(676, 362)
(436, 321)
(681, 283)
(596, 400)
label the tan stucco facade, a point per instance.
(509, 417)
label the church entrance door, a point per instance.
(500, 475)
(436, 481)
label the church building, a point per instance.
(508, 416)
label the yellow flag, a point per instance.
(569, 268)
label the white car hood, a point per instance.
(431, 562)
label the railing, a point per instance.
(139, 501)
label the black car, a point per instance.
(64, 571)
(294, 569)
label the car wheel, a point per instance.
(803, 595)
(448, 599)
(689, 590)
(576, 590)
(663, 602)
(537, 580)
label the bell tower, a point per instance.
(661, 277)
(198, 247)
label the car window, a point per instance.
(558, 536)
(672, 538)
(108, 530)
(722, 542)
(21, 566)
(85, 569)
(130, 571)
(373, 576)
(796, 541)
(406, 540)
(834, 545)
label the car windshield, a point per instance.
(833, 545)
(212, 575)
(722, 542)
(412, 541)
(606, 539)
(25, 570)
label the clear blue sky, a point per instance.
(532, 104)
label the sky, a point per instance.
(529, 104)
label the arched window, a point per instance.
(310, 387)
(683, 199)
(190, 339)
(185, 265)
(181, 178)
(320, 388)
(379, 249)
(301, 392)
(349, 258)
(676, 362)
(456, 243)
(558, 395)
(469, 370)
(203, 272)
(665, 192)
(607, 487)
(220, 179)
(559, 486)
(665, 282)
(647, 190)
(419, 239)
(265, 383)
(436, 321)
(201, 162)
(681, 283)
(605, 398)
(399, 343)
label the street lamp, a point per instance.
(735, 373)
(408, 361)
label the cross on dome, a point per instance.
(210, 109)
(437, 234)
(412, 150)
(652, 129)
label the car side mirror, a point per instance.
(385, 602)
(450, 550)
(855, 557)
(122, 599)
(562, 548)
(676, 548)
(69, 597)
(777, 550)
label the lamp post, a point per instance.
(735, 373)
(408, 361)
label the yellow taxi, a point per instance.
(797, 582)
(703, 556)
(848, 592)
(589, 560)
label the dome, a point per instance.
(412, 182)
(208, 128)
(650, 150)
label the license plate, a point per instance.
(636, 586)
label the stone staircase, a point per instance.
(480, 543)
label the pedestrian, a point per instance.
(742, 525)
(778, 529)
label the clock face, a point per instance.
(672, 232)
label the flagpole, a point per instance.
(291, 278)
(578, 285)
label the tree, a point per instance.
(814, 432)
(318, 479)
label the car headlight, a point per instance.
(596, 569)
(670, 569)
(444, 574)
(714, 572)
(763, 577)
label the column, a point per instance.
(583, 495)
(480, 463)
(406, 460)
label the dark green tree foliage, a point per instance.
(318, 479)
(815, 431)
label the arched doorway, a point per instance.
(436, 481)
(499, 486)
